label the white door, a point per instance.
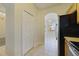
(27, 40)
(51, 34)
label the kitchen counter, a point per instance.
(68, 48)
(75, 39)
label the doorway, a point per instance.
(2, 30)
(51, 34)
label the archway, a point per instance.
(51, 33)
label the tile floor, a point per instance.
(40, 51)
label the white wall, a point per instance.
(41, 26)
(10, 29)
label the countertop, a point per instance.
(75, 39)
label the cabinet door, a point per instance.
(78, 13)
(72, 8)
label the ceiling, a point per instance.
(46, 5)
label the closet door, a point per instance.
(27, 34)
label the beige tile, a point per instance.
(38, 51)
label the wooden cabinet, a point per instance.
(72, 8)
(66, 48)
(77, 13)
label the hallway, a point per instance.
(26, 28)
